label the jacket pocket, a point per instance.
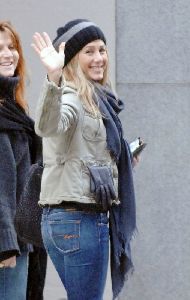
(85, 179)
(93, 128)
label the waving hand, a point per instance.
(50, 58)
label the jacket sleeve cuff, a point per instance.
(53, 91)
(8, 241)
(8, 254)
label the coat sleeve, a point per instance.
(56, 110)
(8, 236)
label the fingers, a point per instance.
(13, 264)
(108, 196)
(62, 49)
(35, 48)
(41, 41)
(104, 197)
(47, 39)
(135, 160)
(112, 192)
(98, 195)
(10, 262)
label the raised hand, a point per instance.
(51, 59)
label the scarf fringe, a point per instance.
(119, 288)
(129, 264)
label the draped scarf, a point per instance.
(123, 216)
(13, 117)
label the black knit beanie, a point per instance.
(76, 34)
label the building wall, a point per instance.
(153, 76)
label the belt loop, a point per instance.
(46, 210)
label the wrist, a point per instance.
(55, 77)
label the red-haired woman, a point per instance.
(17, 153)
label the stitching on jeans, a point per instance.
(70, 236)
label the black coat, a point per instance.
(17, 152)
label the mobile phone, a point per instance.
(137, 146)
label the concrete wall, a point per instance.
(153, 76)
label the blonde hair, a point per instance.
(6, 26)
(73, 73)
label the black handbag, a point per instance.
(28, 214)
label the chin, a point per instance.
(8, 73)
(97, 78)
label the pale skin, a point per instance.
(135, 161)
(9, 56)
(9, 262)
(52, 60)
(93, 60)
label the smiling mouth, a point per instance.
(97, 69)
(6, 64)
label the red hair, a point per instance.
(20, 71)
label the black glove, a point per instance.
(102, 185)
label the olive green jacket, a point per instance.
(72, 140)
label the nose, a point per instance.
(7, 52)
(97, 56)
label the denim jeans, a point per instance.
(13, 281)
(78, 245)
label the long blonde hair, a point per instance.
(6, 26)
(73, 74)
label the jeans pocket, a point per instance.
(66, 235)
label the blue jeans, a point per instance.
(13, 281)
(78, 245)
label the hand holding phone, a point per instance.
(137, 146)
